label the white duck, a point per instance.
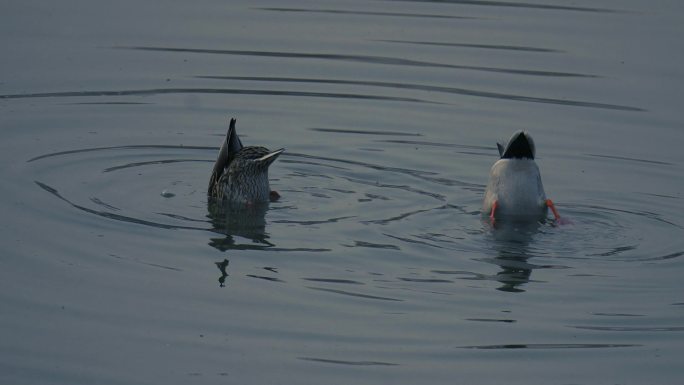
(515, 187)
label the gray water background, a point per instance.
(375, 266)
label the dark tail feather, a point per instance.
(233, 140)
(230, 146)
(501, 149)
(520, 146)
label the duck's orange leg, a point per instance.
(491, 214)
(550, 205)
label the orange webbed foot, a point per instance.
(492, 219)
(557, 217)
(549, 204)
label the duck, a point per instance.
(240, 173)
(515, 190)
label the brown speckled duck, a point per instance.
(240, 173)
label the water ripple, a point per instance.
(99, 202)
(346, 362)
(154, 162)
(313, 222)
(136, 260)
(442, 89)
(474, 45)
(365, 59)
(334, 280)
(425, 280)
(354, 294)
(626, 158)
(617, 315)
(508, 321)
(364, 132)
(109, 215)
(402, 216)
(425, 175)
(363, 13)
(265, 278)
(127, 147)
(645, 214)
(664, 257)
(549, 346)
(413, 241)
(373, 245)
(489, 149)
(633, 328)
(182, 213)
(552, 7)
(224, 91)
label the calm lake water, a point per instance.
(375, 266)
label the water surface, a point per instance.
(375, 266)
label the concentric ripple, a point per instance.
(334, 204)
(164, 186)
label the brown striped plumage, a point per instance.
(241, 173)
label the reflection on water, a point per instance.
(246, 221)
(222, 266)
(511, 240)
